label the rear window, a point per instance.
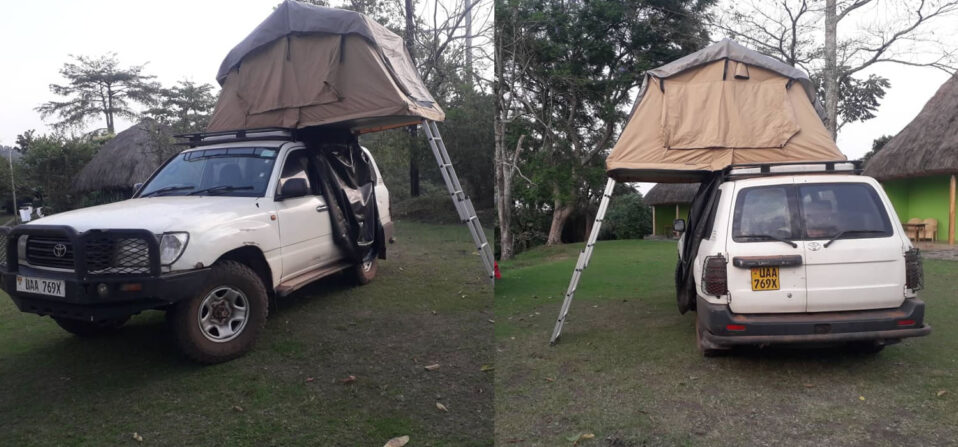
(809, 212)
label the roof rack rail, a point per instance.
(793, 167)
(234, 136)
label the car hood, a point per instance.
(159, 214)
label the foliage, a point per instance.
(858, 99)
(49, 166)
(627, 218)
(877, 145)
(98, 88)
(185, 107)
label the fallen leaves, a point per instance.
(861, 398)
(237, 408)
(432, 367)
(348, 380)
(576, 439)
(441, 407)
(397, 442)
(137, 437)
(309, 379)
(486, 368)
(941, 393)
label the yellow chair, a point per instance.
(931, 229)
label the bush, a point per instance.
(627, 218)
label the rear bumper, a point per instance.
(881, 325)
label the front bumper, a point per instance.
(84, 302)
(880, 325)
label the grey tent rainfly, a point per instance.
(720, 106)
(306, 66)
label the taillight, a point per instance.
(715, 276)
(914, 276)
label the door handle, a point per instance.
(322, 208)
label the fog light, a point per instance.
(103, 290)
(131, 287)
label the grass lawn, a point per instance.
(429, 304)
(627, 369)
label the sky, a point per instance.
(181, 39)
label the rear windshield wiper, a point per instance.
(769, 237)
(166, 189)
(220, 188)
(842, 233)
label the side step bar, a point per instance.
(298, 282)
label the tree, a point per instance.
(877, 146)
(186, 107)
(884, 32)
(581, 62)
(50, 166)
(98, 88)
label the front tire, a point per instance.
(83, 328)
(365, 272)
(222, 321)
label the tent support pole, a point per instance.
(583, 262)
(467, 213)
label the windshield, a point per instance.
(238, 171)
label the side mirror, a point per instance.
(679, 225)
(292, 188)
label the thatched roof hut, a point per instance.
(130, 157)
(917, 167)
(669, 201)
(927, 146)
(671, 193)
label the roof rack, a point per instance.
(793, 167)
(234, 136)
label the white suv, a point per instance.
(798, 253)
(214, 233)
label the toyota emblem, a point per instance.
(59, 250)
(814, 246)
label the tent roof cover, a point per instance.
(722, 105)
(309, 66)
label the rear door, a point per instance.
(766, 275)
(862, 269)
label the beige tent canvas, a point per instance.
(719, 106)
(309, 66)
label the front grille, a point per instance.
(49, 251)
(116, 256)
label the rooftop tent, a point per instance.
(309, 66)
(722, 105)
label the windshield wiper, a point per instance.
(842, 233)
(166, 189)
(769, 237)
(221, 188)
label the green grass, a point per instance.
(627, 369)
(428, 304)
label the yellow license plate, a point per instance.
(765, 278)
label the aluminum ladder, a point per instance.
(467, 213)
(583, 262)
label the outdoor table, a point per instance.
(917, 227)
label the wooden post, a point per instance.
(951, 212)
(653, 220)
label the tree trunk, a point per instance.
(559, 218)
(831, 67)
(409, 38)
(503, 190)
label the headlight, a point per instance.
(172, 246)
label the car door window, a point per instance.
(297, 166)
(829, 209)
(763, 211)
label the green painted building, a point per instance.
(669, 201)
(917, 167)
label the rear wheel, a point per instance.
(82, 328)
(364, 272)
(222, 321)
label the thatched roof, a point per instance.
(928, 145)
(668, 193)
(130, 157)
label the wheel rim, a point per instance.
(367, 266)
(223, 314)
